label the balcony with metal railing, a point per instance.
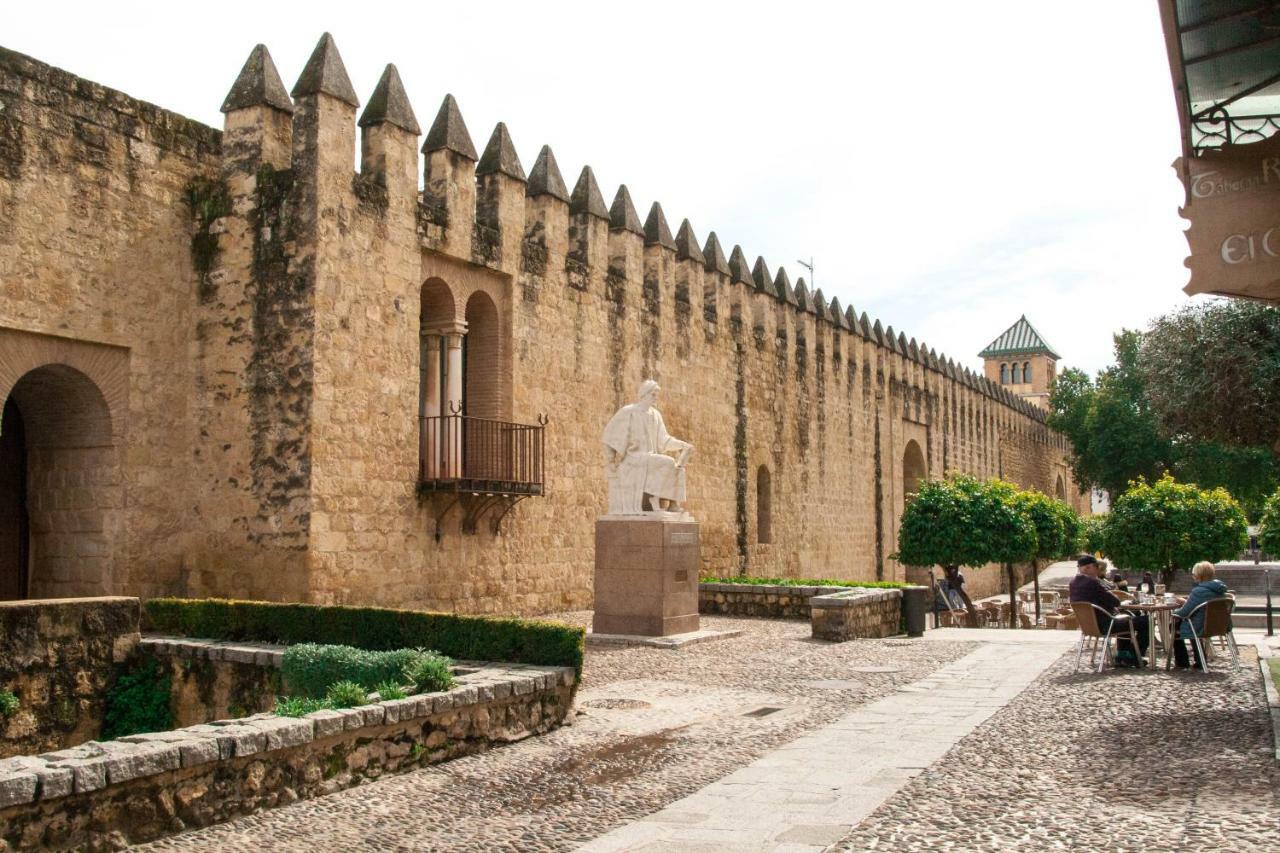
(488, 466)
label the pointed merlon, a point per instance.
(855, 325)
(877, 332)
(622, 213)
(902, 343)
(449, 132)
(913, 350)
(499, 157)
(782, 287)
(324, 74)
(803, 300)
(714, 254)
(656, 231)
(836, 311)
(545, 178)
(258, 84)
(762, 278)
(820, 305)
(586, 196)
(866, 325)
(687, 245)
(739, 269)
(389, 104)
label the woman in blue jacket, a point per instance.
(1207, 588)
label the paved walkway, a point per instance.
(809, 793)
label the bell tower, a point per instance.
(1022, 361)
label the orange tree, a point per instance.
(1167, 526)
(963, 521)
(1058, 528)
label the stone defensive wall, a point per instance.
(241, 334)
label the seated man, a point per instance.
(1086, 587)
(1207, 588)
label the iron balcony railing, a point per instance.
(466, 454)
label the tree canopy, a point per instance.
(1169, 526)
(962, 521)
(1118, 435)
(1269, 534)
(1212, 373)
(1057, 525)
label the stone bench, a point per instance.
(835, 612)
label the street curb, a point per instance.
(1273, 695)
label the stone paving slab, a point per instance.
(674, 641)
(807, 794)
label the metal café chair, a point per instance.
(1217, 623)
(1121, 625)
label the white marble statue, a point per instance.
(636, 446)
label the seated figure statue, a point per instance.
(640, 471)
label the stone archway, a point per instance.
(1060, 489)
(65, 472)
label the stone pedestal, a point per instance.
(646, 575)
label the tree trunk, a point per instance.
(1166, 577)
(1013, 596)
(950, 573)
(1035, 584)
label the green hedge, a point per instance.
(806, 582)
(493, 638)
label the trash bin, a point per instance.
(915, 604)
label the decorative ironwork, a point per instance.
(1216, 128)
(487, 466)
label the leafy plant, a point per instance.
(346, 694)
(1092, 529)
(468, 637)
(430, 673)
(9, 703)
(138, 702)
(298, 706)
(308, 668)
(390, 690)
(1168, 526)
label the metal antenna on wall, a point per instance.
(809, 267)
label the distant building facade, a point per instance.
(232, 365)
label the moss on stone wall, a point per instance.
(209, 200)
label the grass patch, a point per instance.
(1274, 663)
(138, 702)
(310, 670)
(492, 638)
(806, 582)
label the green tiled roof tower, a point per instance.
(1019, 339)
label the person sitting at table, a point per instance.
(1117, 580)
(1206, 588)
(1086, 586)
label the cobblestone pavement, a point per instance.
(1123, 761)
(656, 725)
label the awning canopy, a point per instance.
(1225, 59)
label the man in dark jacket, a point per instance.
(1085, 586)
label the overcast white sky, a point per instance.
(949, 166)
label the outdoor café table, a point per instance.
(1161, 614)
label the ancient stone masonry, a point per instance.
(256, 330)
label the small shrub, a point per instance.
(390, 690)
(308, 669)
(9, 703)
(297, 706)
(430, 672)
(346, 694)
(138, 702)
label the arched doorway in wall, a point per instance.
(1060, 489)
(15, 524)
(764, 506)
(62, 488)
(487, 442)
(914, 470)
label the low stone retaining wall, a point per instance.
(212, 680)
(58, 656)
(142, 787)
(836, 612)
(760, 600)
(857, 613)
